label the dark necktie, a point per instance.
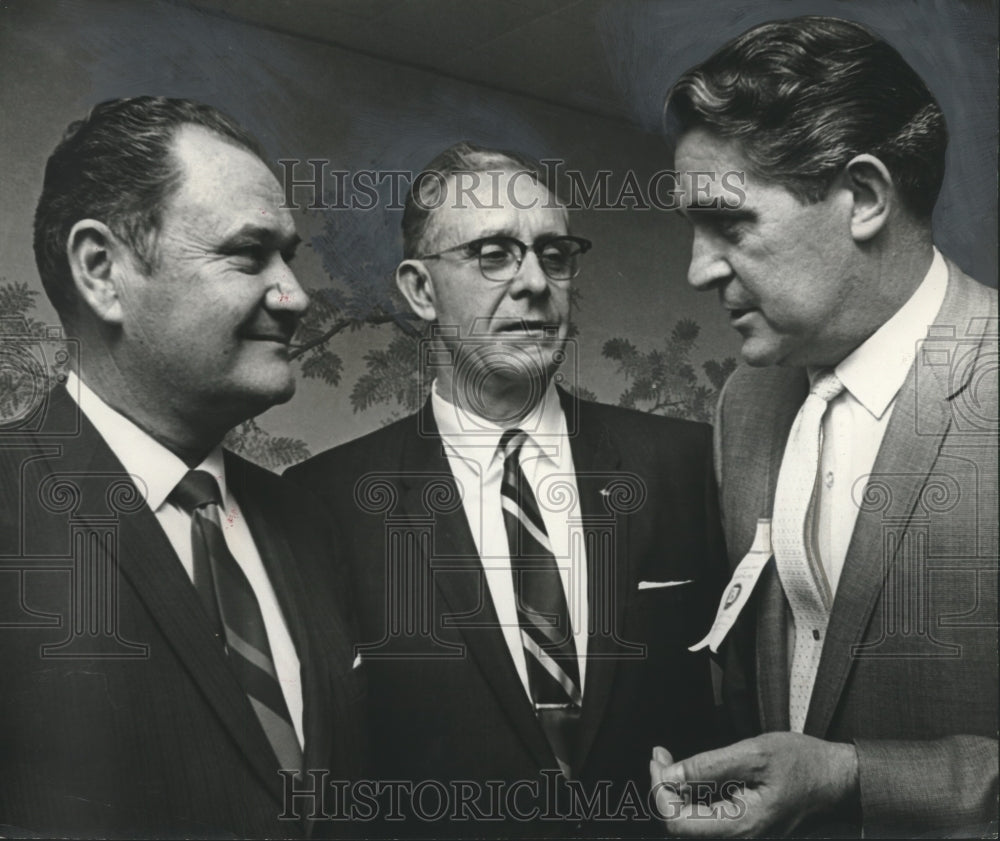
(235, 614)
(542, 612)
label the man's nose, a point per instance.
(284, 292)
(708, 264)
(530, 279)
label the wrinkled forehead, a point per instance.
(512, 202)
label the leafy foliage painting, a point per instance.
(664, 381)
(392, 376)
(17, 302)
(260, 447)
(31, 356)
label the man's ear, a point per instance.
(417, 286)
(874, 193)
(96, 259)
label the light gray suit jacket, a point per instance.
(909, 666)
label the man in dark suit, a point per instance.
(176, 641)
(857, 454)
(529, 567)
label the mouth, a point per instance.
(278, 331)
(529, 327)
(737, 314)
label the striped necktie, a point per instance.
(799, 566)
(233, 610)
(542, 612)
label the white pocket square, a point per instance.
(656, 585)
(357, 662)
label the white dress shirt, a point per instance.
(470, 444)
(158, 471)
(855, 422)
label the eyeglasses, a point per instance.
(500, 257)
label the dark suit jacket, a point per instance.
(446, 703)
(909, 667)
(119, 715)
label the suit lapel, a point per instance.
(148, 562)
(595, 460)
(456, 569)
(902, 466)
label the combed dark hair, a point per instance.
(424, 195)
(804, 96)
(116, 166)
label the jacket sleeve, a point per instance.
(911, 786)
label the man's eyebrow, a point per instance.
(253, 233)
(509, 233)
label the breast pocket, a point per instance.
(664, 616)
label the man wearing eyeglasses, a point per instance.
(529, 567)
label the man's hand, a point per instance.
(762, 786)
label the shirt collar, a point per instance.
(142, 456)
(875, 371)
(475, 439)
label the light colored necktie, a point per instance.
(235, 614)
(542, 611)
(799, 567)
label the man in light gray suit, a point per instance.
(856, 450)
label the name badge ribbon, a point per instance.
(740, 587)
